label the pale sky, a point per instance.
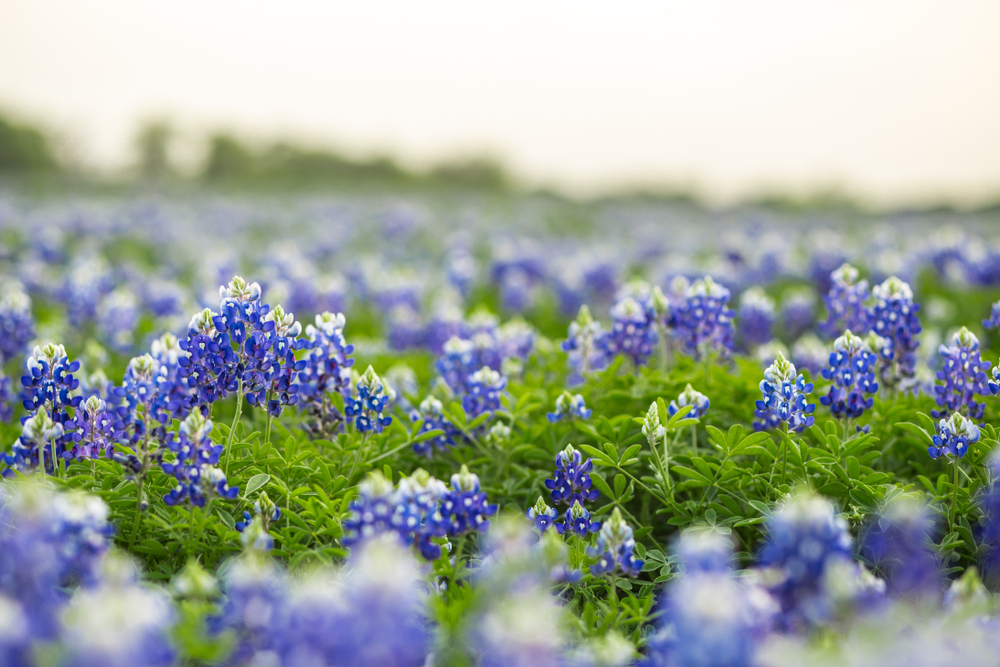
(894, 101)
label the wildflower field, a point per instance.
(300, 431)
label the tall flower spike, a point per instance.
(577, 520)
(845, 303)
(541, 515)
(953, 437)
(784, 398)
(756, 317)
(368, 405)
(894, 317)
(651, 426)
(691, 397)
(852, 370)
(633, 331)
(571, 482)
(703, 321)
(805, 537)
(964, 375)
(615, 548)
(569, 406)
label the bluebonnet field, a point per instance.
(503, 431)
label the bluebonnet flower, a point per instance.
(484, 388)
(852, 371)
(708, 617)
(405, 331)
(327, 369)
(431, 413)
(989, 503)
(282, 389)
(163, 298)
(756, 317)
(377, 510)
(87, 280)
(898, 543)
(142, 619)
(456, 363)
(6, 397)
(810, 354)
(15, 635)
(703, 322)
(805, 536)
(993, 321)
(798, 312)
(254, 530)
(845, 303)
(571, 482)
(209, 357)
(194, 464)
(420, 494)
(577, 520)
(615, 548)
(366, 408)
(256, 597)
(633, 331)
(173, 396)
(117, 316)
(894, 317)
(464, 506)
(541, 515)
(964, 375)
(582, 344)
(49, 380)
(374, 613)
(40, 439)
(17, 326)
(690, 396)
(704, 550)
(953, 437)
(784, 399)
(569, 406)
(98, 428)
(50, 542)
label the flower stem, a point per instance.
(232, 428)
(954, 494)
(357, 457)
(459, 547)
(138, 511)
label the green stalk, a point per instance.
(138, 511)
(357, 458)
(459, 547)
(232, 428)
(954, 494)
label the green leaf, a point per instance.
(601, 485)
(256, 482)
(677, 416)
(598, 456)
(619, 485)
(612, 452)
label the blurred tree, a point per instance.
(24, 149)
(474, 173)
(153, 145)
(228, 158)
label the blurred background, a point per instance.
(885, 105)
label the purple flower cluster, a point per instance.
(373, 612)
(420, 510)
(894, 317)
(852, 371)
(17, 326)
(845, 303)
(367, 406)
(756, 317)
(615, 548)
(569, 406)
(703, 322)
(583, 346)
(633, 332)
(784, 398)
(571, 482)
(430, 411)
(963, 373)
(953, 437)
(194, 464)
